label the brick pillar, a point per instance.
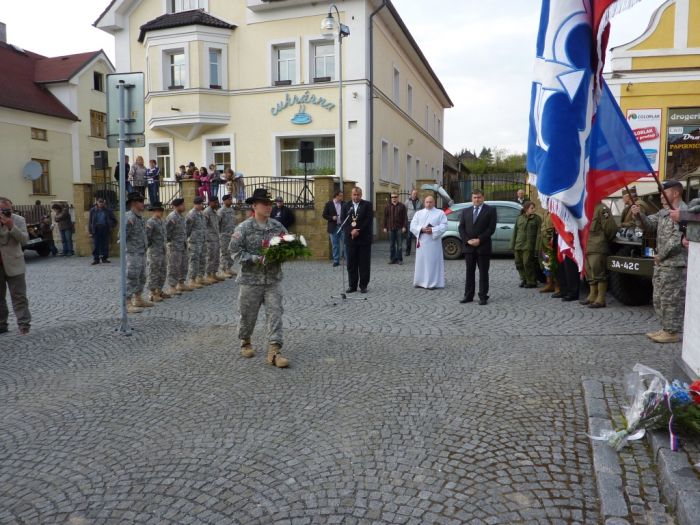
(82, 200)
(315, 227)
(348, 185)
(189, 191)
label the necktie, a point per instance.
(476, 213)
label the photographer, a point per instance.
(13, 235)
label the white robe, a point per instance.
(430, 266)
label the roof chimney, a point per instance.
(3, 32)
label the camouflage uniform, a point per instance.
(176, 236)
(227, 222)
(691, 219)
(136, 244)
(196, 243)
(258, 283)
(211, 219)
(157, 263)
(670, 269)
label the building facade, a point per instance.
(52, 112)
(656, 80)
(240, 83)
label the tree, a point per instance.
(486, 155)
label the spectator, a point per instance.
(153, 181)
(428, 225)
(282, 214)
(600, 234)
(548, 253)
(137, 176)
(413, 204)
(46, 231)
(239, 187)
(331, 212)
(520, 197)
(181, 174)
(228, 182)
(65, 226)
(214, 180)
(395, 223)
(13, 235)
(127, 169)
(204, 187)
(100, 223)
(524, 245)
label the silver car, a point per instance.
(507, 213)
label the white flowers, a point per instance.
(275, 241)
(302, 240)
(289, 238)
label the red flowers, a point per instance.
(695, 391)
(266, 243)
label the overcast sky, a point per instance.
(483, 52)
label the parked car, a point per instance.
(507, 213)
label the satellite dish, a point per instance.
(32, 170)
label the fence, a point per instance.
(109, 191)
(32, 213)
(496, 186)
(293, 190)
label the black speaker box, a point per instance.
(306, 152)
(101, 161)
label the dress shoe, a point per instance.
(408, 254)
(400, 263)
(483, 302)
(556, 295)
(3, 330)
(530, 286)
(106, 261)
(363, 290)
(522, 284)
(569, 298)
(392, 262)
(93, 263)
(336, 264)
(351, 290)
(466, 299)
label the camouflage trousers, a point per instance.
(225, 260)
(177, 263)
(197, 260)
(135, 273)
(596, 267)
(250, 297)
(213, 256)
(157, 269)
(669, 296)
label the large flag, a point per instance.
(578, 152)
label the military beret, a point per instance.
(178, 202)
(199, 200)
(227, 197)
(213, 198)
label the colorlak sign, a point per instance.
(646, 125)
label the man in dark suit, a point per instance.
(358, 240)
(476, 226)
(332, 212)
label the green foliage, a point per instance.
(285, 251)
(496, 161)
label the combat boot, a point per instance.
(230, 273)
(210, 277)
(221, 276)
(600, 300)
(171, 291)
(275, 357)
(154, 297)
(592, 294)
(201, 281)
(247, 349)
(164, 295)
(666, 337)
(182, 287)
(131, 309)
(193, 285)
(141, 302)
(549, 287)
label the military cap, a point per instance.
(213, 198)
(199, 200)
(672, 184)
(134, 196)
(260, 195)
(178, 202)
(632, 191)
(155, 206)
(227, 197)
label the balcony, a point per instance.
(187, 115)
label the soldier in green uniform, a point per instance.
(136, 244)
(211, 220)
(227, 225)
(630, 198)
(524, 245)
(259, 281)
(602, 231)
(548, 254)
(195, 228)
(176, 237)
(671, 261)
(157, 262)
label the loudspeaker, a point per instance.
(306, 152)
(101, 162)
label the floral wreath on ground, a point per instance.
(283, 248)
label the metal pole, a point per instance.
(340, 102)
(124, 323)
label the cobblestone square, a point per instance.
(405, 408)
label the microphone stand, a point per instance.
(343, 295)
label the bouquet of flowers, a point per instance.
(656, 404)
(283, 248)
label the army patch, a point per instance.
(237, 235)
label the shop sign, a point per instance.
(301, 117)
(683, 150)
(646, 125)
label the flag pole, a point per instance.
(661, 189)
(627, 189)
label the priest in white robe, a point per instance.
(428, 225)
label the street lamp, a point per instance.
(329, 29)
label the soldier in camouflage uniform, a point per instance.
(136, 244)
(157, 263)
(196, 244)
(227, 225)
(671, 261)
(211, 219)
(259, 282)
(176, 238)
(602, 231)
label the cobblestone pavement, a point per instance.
(405, 408)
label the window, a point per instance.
(163, 161)
(215, 69)
(98, 124)
(397, 87)
(98, 81)
(176, 6)
(324, 156)
(285, 64)
(439, 129)
(221, 153)
(395, 178)
(384, 173)
(409, 100)
(506, 214)
(427, 118)
(41, 185)
(434, 125)
(409, 167)
(417, 169)
(324, 61)
(39, 134)
(176, 69)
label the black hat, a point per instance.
(177, 202)
(227, 197)
(672, 184)
(155, 206)
(261, 195)
(191, 165)
(199, 200)
(134, 196)
(213, 198)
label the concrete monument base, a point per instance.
(690, 357)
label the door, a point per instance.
(505, 225)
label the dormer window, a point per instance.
(177, 6)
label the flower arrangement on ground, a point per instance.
(283, 248)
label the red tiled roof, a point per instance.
(61, 69)
(19, 89)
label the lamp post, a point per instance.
(329, 27)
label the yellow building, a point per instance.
(656, 80)
(52, 111)
(240, 83)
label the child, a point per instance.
(203, 178)
(46, 231)
(524, 244)
(152, 181)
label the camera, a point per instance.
(7, 212)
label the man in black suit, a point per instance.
(358, 240)
(476, 226)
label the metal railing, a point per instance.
(496, 186)
(32, 213)
(295, 192)
(109, 191)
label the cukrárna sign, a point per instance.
(301, 117)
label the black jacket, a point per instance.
(328, 214)
(484, 228)
(116, 171)
(363, 223)
(283, 215)
(92, 219)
